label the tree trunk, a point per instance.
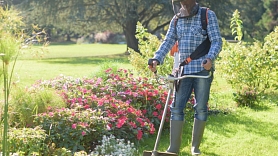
(129, 30)
(67, 37)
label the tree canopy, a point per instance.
(82, 16)
(87, 16)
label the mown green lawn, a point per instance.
(244, 132)
(70, 60)
(239, 132)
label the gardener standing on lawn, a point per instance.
(186, 28)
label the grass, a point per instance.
(241, 132)
(70, 60)
(245, 132)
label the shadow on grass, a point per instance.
(221, 125)
(88, 60)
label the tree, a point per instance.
(223, 10)
(269, 19)
(82, 16)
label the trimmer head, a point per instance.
(155, 153)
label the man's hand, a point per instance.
(208, 64)
(152, 67)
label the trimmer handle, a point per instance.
(150, 63)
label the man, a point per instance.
(186, 28)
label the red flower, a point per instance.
(159, 117)
(86, 106)
(155, 114)
(121, 122)
(132, 124)
(158, 106)
(144, 111)
(129, 110)
(139, 134)
(120, 112)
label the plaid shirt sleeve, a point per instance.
(167, 43)
(189, 34)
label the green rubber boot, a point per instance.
(197, 135)
(175, 136)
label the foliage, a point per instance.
(246, 97)
(148, 44)
(26, 103)
(120, 96)
(112, 65)
(87, 16)
(132, 105)
(236, 25)
(114, 147)
(72, 128)
(10, 39)
(62, 152)
(27, 141)
(251, 67)
(269, 18)
(10, 21)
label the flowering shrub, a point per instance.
(247, 97)
(114, 147)
(133, 106)
(73, 129)
(138, 92)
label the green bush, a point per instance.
(27, 141)
(107, 65)
(148, 44)
(73, 129)
(26, 103)
(251, 67)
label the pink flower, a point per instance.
(142, 124)
(121, 122)
(155, 114)
(73, 126)
(83, 133)
(100, 103)
(132, 124)
(152, 130)
(139, 134)
(83, 124)
(51, 114)
(129, 110)
(79, 100)
(120, 112)
(139, 119)
(158, 106)
(109, 126)
(150, 94)
(144, 111)
(86, 106)
(159, 117)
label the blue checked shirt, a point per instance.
(189, 34)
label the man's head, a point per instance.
(185, 8)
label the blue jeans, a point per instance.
(201, 87)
